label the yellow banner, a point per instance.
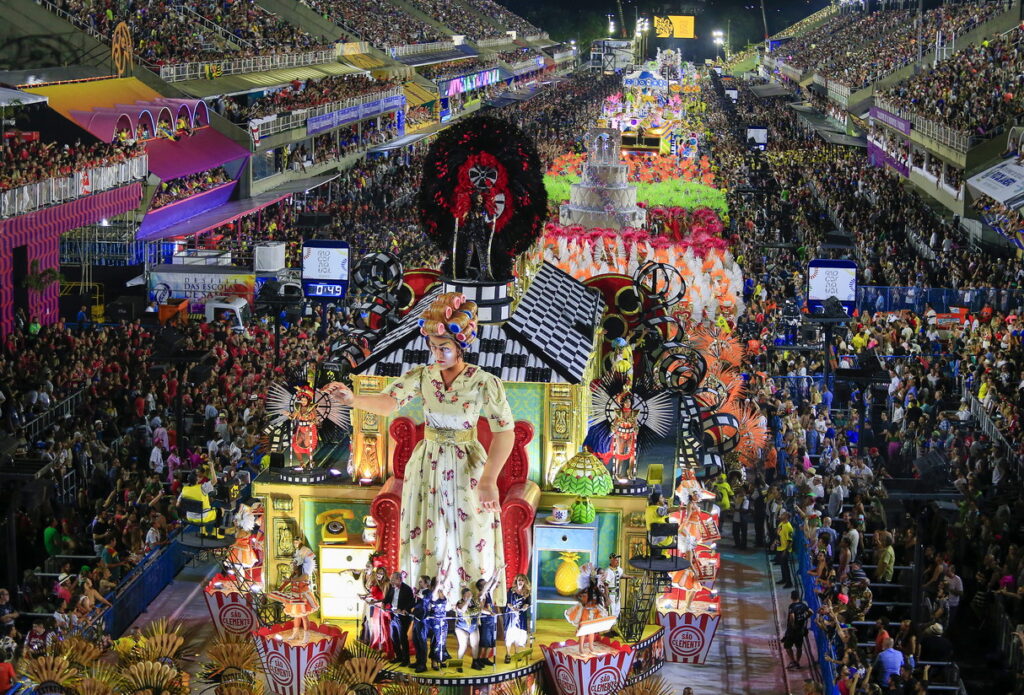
(674, 27)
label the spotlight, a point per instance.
(334, 472)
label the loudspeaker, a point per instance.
(277, 459)
(932, 471)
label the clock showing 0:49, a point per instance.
(325, 269)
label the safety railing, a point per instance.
(959, 140)
(838, 93)
(208, 69)
(103, 252)
(529, 65)
(194, 18)
(35, 196)
(62, 409)
(417, 48)
(984, 419)
(543, 36)
(499, 41)
(874, 298)
(142, 585)
(824, 647)
(297, 119)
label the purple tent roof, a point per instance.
(204, 150)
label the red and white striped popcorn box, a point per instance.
(287, 665)
(605, 674)
(707, 565)
(232, 612)
(688, 636)
(709, 528)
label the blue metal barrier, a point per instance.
(138, 589)
(874, 298)
(821, 640)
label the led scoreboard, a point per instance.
(325, 266)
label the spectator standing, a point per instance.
(7, 613)
(886, 558)
(784, 547)
(888, 662)
(797, 616)
(7, 672)
(955, 589)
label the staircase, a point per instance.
(37, 36)
(229, 39)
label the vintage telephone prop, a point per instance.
(335, 528)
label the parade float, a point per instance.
(613, 389)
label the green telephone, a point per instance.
(335, 530)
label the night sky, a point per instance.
(585, 20)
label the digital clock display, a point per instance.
(325, 268)
(325, 289)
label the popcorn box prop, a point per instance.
(232, 612)
(688, 636)
(287, 665)
(602, 674)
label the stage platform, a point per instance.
(548, 632)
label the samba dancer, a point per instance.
(302, 600)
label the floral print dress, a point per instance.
(443, 523)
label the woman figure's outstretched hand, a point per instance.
(343, 393)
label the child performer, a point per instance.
(585, 609)
(437, 623)
(488, 621)
(467, 628)
(517, 616)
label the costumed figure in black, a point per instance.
(399, 601)
(476, 236)
(421, 632)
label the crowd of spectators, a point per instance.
(26, 160)
(831, 453)
(187, 186)
(116, 463)
(504, 16)
(977, 90)
(517, 55)
(379, 22)
(454, 16)
(303, 95)
(558, 118)
(166, 33)
(896, 43)
(454, 68)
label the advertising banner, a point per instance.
(688, 637)
(198, 284)
(1004, 182)
(287, 665)
(231, 611)
(351, 114)
(674, 26)
(880, 157)
(467, 83)
(890, 119)
(604, 674)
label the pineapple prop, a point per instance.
(568, 575)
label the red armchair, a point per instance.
(518, 495)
